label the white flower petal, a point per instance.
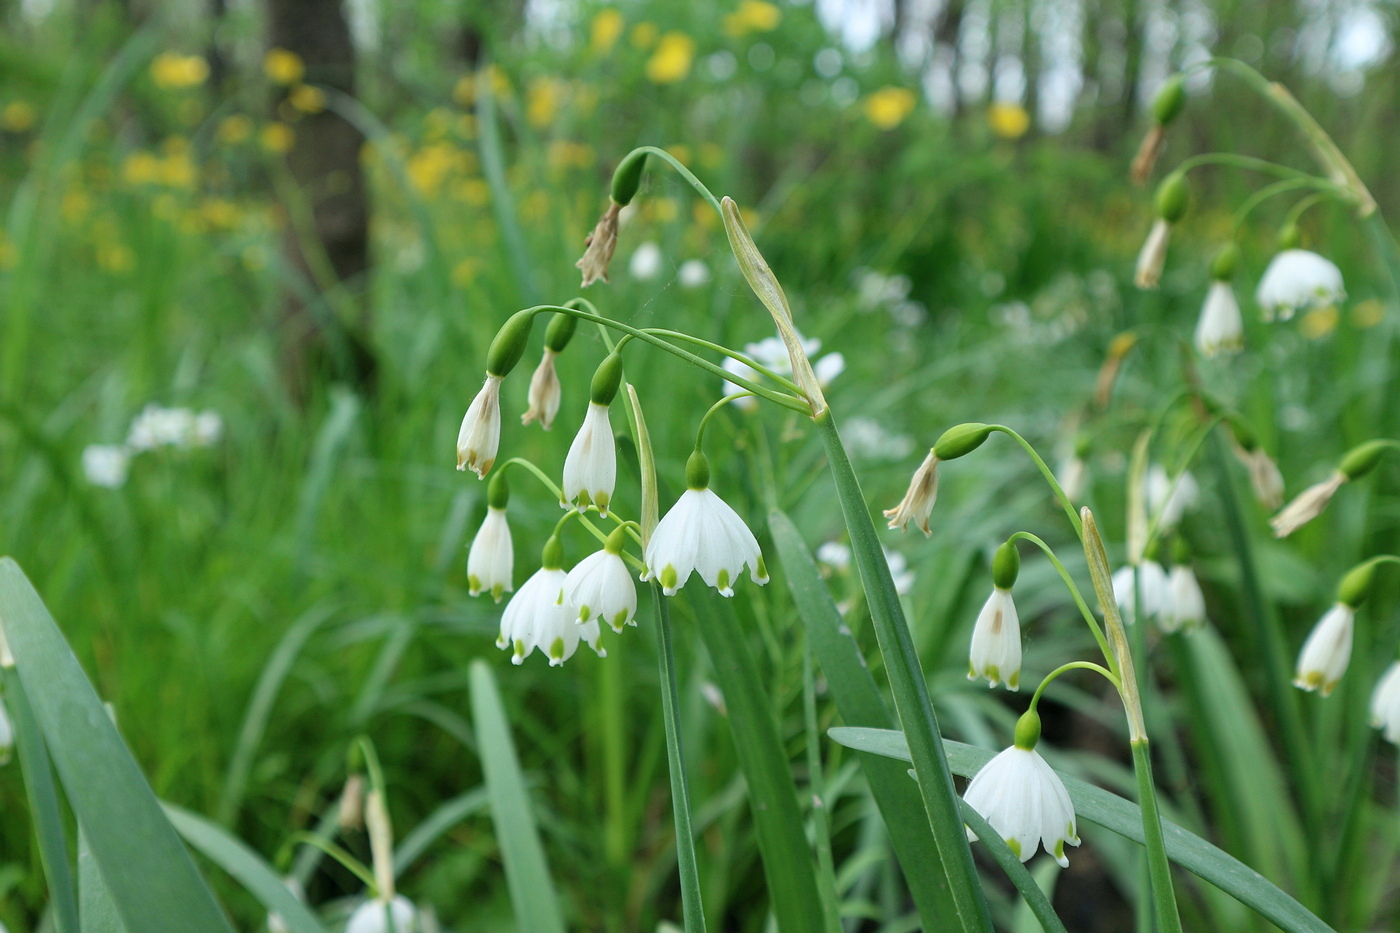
(702, 533)
(375, 917)
(996, 642)
(1297, 279)
(491, 560)
(1327, 652)
(1024, 800)
(1221, 328)
(590, 469)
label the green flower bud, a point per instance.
(509, 344)
(1222, 267)
(498, 491)
(560, 331)
(1083, 445)
(552, 557)
(1027, 730)
(1356, 585)
(1362, 458)
(606, 380)
(697, 471)
(1289, 237)
(616, 541)
(1006, 565)
(1172, 197)
(961, 440)
(1170, 100)
(628, 178)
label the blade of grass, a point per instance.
(98, 913)
(153, 881)
(782, 839)
(1033, 897)
(438, 823)
(527, 875)
(860, 704)
(247, 868)
(1124, 818)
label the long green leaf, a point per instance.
(247, 868)
(440, 821)
(154, 883)
(782, 838)
(858, 699)
(98, 913)
(1015, 869)
(1123, 817)
(527, 875)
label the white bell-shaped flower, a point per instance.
(996, 642)
(1156, 591)
(536, 616)
(491, 560)
(590, 469)
(601, 587)
(1153, 256)
(1296, 280)
(1187, 607)
(1170, 497)
(1221, 328)
(1327, 652)
(1023, 798)
(1385, 703)
(380, 916)
(7, 734)
(480, 435)
(703, 534)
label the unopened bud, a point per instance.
(1289, 237)
(552, 556)
(1362, 458)
(560, 330)
(352, 803)
(1170, 100)
(1222, 267)
(961, 440)
(1006, 565)
(1172, 197)
(1356, 585)
(498, 491)
(1027, 730)
(509, 343)
(627, 178)
(606, 380)
(697, 471)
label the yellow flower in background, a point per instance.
(466, 126)
(17, 117)
(76, 205)
(644, 35)
(116, 257)
(888, 107)
(1367, 313)
(566, 154)
(277, 138)
(140, 168)
(466, 271)
(542, 101)
(307, 98)
(234, 130)
(431, 165)
(663, 208)
(172, 71)
(752, 16)
(1007, 120)
(607, 29)
(177, 171)
(283, 67)
(671, 60)
(473, 191)
(681, 152)
(464, 91)
(1319, 322)
(9, 256)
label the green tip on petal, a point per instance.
(619, 621)
(474, 583)
(723, 581)
(668, 577)
(498, 591)
(556, 650)
(1014, 846)
(584, 613)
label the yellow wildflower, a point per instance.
(607, 29)
(176, 170)
(308, 98)
(473, 191)
(116, 257)
(566, 154)
(681, 152)
(283, 67)
(543, 101)
(140, 168)
(671, 60)
(1008, 120)
(277, 138)
(430, 166)
(234, 130)
(1367, 313)
(663, 208)
(172, 71)
(644, 35)
(465, 272)
(466, 126)
(219, 213)
(752, 16)
(17, 117)
(888, 107)
(1319, 322)
(464, 92)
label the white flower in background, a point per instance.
(1296, 280)
(545, 393)
(1326, 653)
(106, 465)
(491, 560)
(834, 556)
(867, 439)
(899, 571)
(1221, 328)
(536, 617)
(1187, 604)
(1072, 475)
(702, 534)
(378, 916)
(1307, 505)
(996, 642)
(600, 587)
(917, 504)
(1156, 591)
(7, 734)
(1024, 800)
(1385, 703)
(1167, 502)
(590, 469)
(693, 273)
(1153, 257)
(480, 435)
(157, 426)
(874, 290)
(645, 262)
(772, 354)
(275, 923)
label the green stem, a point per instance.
(692, 907)
(1158, 868)
(1074, 666)
(714, 409)
(909, 688)
(681, 170)
(1084, 609)
(1234, 160)
(1048, 473)
(348, 861)
(816, 782)
(783, 381)
(1269, 191)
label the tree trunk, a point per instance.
(327, 241)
